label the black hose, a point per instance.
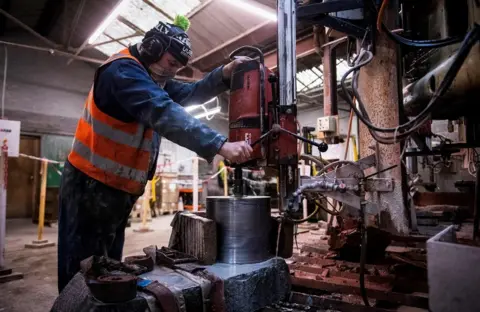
(430, 44)
(317, 207)
(402, 130)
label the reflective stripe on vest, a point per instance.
(111, 151)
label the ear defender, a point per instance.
(167, 37)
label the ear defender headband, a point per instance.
(167, 37)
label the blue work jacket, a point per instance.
(125, 91)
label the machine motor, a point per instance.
(254, 110)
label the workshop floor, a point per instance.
(38, 289)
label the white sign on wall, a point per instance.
(10, 131)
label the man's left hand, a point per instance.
(228, 69)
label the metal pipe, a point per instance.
(238, 182)
(330, 105)
(412, 162)
(53, 52)
(287, 62)
(56, 52)
(78, 51)
(466, 85)
(378, 86)
(110, 41)
(30, 30)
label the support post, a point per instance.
(378, 86)
(40, 242)
(145, 209)
(43, 194)
(195, 184)
(3, 204)
(304, 201)
(225, 181)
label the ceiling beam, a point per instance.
(156, 8)
(254, 36)
(27, 28)
(126, 22)
(92, 46)
(115, 40)
(199, 8)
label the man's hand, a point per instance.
(236, 152)
(228, 69)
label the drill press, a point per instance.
(257, 116)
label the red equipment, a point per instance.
(253, 93)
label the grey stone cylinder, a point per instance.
(243, 228)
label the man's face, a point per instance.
(165, 68)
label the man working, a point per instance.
(132, 103)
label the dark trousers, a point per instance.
(92, 221)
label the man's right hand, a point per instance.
(236, 152)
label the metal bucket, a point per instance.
(243, 228)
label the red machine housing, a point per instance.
(246, 101)
(244, 110)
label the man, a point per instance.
(133, 102)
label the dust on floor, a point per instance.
(38, 289)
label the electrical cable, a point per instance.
(339, 162)
(320, 163)
(414, 124)
(317, 207)
(334, 211)
(383, 6)
(430, 43)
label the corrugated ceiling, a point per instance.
(210, 28)
(139, 16)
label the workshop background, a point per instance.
(48, 59)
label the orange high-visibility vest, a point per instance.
(111, 151)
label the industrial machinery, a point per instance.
(258, 117)
(397, 84)
(385, 55)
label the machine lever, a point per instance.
(263, 137)
(322, 147)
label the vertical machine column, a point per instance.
(378, 86)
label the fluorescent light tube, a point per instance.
(255, 9)
(113, 15)
(192, 108)
(210, 112)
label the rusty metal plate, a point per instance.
(379, 185)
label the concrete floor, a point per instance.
(38, 289)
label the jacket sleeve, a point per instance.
(149, 104)
(198, 92)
